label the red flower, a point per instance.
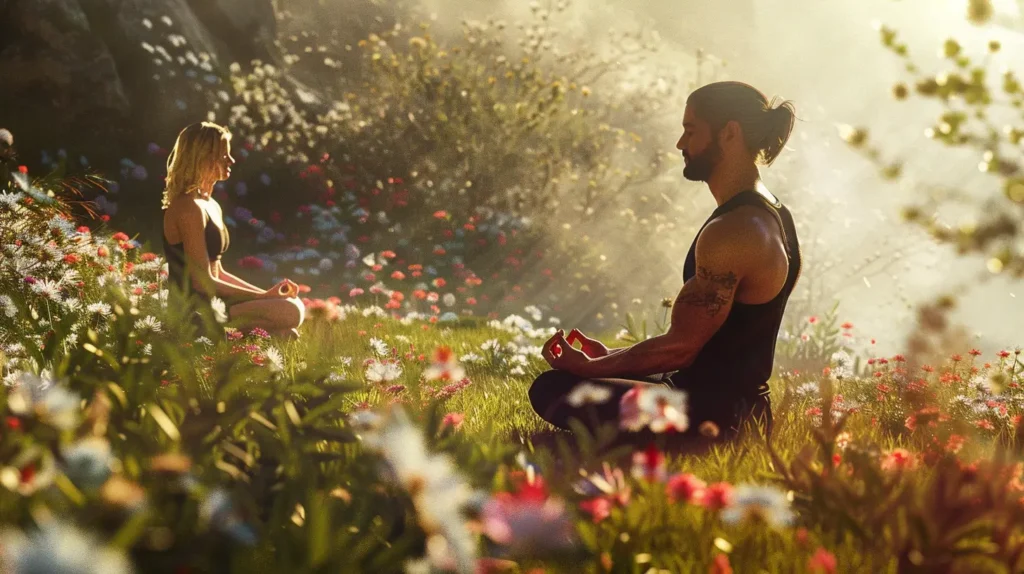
(598, 508)
(717, 496)
(822, 562)
(686, 488)
(439, 282)
(119, 236)
(720, 565)
(23, 169)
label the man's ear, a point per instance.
(731, 131)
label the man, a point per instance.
(738, 276)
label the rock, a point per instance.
(52, 63)
(75, 71)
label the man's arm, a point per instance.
(724, 252)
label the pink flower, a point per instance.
(453, 420)
(355, 292)
(686, 488)
(526, 526)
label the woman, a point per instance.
(195, 237)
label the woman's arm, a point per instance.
(223, 275)
(192, 224)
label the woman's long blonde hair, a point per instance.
(197, 147)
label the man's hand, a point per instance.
(590, 347)
(561, 355)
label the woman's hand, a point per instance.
(590, 347)
(284, 289)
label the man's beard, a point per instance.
(699, 167)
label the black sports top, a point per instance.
(737, 361)
(217, 241)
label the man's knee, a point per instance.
(549, 387)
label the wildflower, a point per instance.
(444, 367)
(588, 393)
(379, 347)
(649, 464)
(609, 483)
(720, 565)
(598, 508)
(453, 420)
(365, 420)
(438, 493)
(717, 496)
(149, 323)
(31, 471)
(658, 408)
(526, 525)
(275, 358)
(685, 488)
(60, 547)
(219, 511)
(220, 310)
(822, 562)
(44, 399)
(46, 288)
(383, 371)
(898, 459)
(758, 503)
(88, 462)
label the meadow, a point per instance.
(395, 435)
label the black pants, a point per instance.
(728, 412)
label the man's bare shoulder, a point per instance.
(746, 227)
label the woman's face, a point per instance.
(222, 163)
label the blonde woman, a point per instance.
(195, 237)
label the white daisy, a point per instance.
(275, 358)
(588, 393)
(379, 347)
(383, 372)
(149, 323)
(759, 503)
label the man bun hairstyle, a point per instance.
(766, 124)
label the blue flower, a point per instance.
(153, 148)
(241, 189)
(218, 510)
(181, 105)
(139, 172)
(60, 548)
(265, 179)
(88, 462)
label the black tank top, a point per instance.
(737, 361)
(217, 241)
